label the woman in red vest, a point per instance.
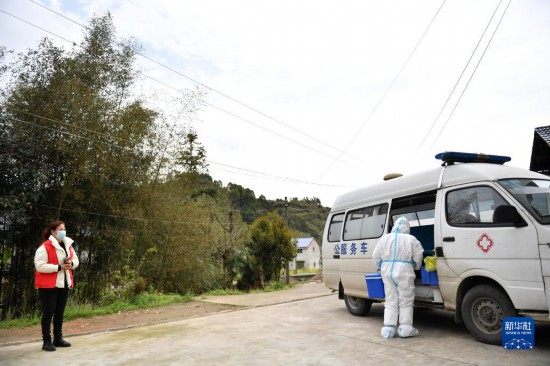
(54, 261)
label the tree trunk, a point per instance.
(261, 277)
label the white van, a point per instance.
(488, 224)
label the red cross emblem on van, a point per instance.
(485, 243)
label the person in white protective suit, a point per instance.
(397, 255)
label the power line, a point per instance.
(277, 134)
(275, 176)
(71, 125)
(243, 119)
(70, 134)
(457, 82)
(287, 179)
(36, 26)
(253, 123)
(471, 76)
(210, 104)
(125, 217)
(387, 90)
(120, 147)
(133, 218)
(325, 144)
(79, 137)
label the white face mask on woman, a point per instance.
(61, 234)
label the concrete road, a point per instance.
(309, 327)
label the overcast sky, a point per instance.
(328, 96)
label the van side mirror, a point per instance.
(508, 214)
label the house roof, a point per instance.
(303, 242)
(540, 155)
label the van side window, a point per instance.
(366, 223)
(417, 218)
(421, 221)
(473, 206)
(335, 228)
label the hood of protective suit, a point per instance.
(401, 226)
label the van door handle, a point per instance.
(449, 238)
(336, 256)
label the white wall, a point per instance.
(311, 256)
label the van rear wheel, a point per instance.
(483, 309)
(357, 306)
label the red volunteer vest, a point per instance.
(48, 280)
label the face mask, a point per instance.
(61, 234)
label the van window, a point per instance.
(335, 228)
(365, 223)
(418, 218)
(533, 194)
(421, 220)
(472, 206)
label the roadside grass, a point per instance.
(274, 286)
(302, 271)
(306, 270)
(143, 301)
(74, 311)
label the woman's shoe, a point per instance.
(48, 346)
(61, 343)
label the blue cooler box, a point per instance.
(429, 278)
(375, 286)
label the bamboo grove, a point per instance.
(79, 143)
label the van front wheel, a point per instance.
(357, 306)
(483, 309)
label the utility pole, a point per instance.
(287, 267)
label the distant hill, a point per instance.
(306, 216)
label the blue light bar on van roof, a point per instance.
(451, 157)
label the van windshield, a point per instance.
(533, 194)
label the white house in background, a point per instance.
(309, 254)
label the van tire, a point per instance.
(483, 309)
(357, 306)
